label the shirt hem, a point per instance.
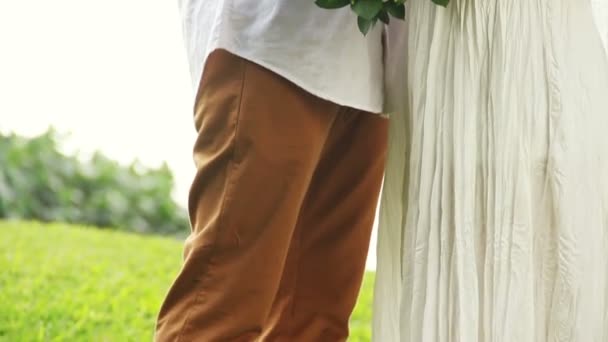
(377, 110)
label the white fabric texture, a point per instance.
(497, 230)
(321, 51)
(600, 10)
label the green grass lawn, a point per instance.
(65, 283)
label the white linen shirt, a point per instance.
(321, 51)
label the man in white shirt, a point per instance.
(290, 157)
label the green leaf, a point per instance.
(397, 10)
(365, 24)
(332, 4)
(384, 17)
(443, 3)
(368, 9)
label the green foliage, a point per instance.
(361, 319)
(66, 283)
(369, 12)
(38, 182)
(62, 283)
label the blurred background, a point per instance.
(95, 166)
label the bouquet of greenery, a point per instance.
(369, 12)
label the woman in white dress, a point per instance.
(498, 230)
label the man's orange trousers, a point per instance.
(282, 208)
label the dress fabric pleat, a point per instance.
(494, 213)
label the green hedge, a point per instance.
(38, 182)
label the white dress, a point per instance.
(494, 215)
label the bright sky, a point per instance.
(111, 73)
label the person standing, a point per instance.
(290, 157)
(494, 222)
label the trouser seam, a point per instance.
(229, 183)
(305, 204)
